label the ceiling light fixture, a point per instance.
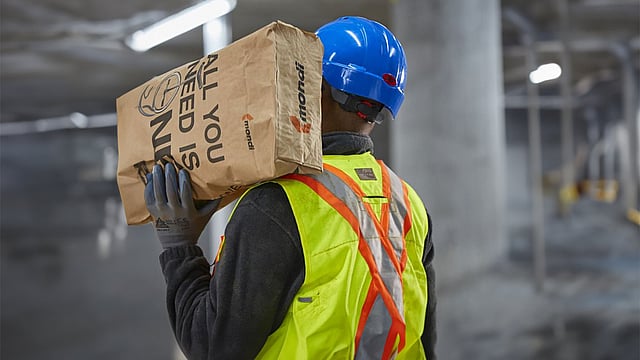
(179, 23)
(545, 72)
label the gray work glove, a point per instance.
(177, 220)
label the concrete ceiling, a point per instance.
(597, 31)
(63, 56)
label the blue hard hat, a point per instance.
(362, 57)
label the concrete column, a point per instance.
(448, 141)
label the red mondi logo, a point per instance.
(247, 131)
(302, 128)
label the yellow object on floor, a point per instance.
(601, 190)
(634, 216)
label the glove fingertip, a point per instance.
(169, 168)
(186, 194)
(183, 175)
(149, 196)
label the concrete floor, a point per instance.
(589, 309)
(79, 284)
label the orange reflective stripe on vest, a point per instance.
(381, 328)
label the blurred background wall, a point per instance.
(531, 177)
(451, 146)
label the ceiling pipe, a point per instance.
(74, 120)
(575, 45)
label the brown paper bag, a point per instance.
(245, 114)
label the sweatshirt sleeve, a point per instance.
(429, 335)
(230, 315)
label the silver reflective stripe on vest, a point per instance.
(374, 335)
(399, 212)
(379, 321)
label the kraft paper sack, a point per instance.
(245, 114)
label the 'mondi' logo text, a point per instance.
(300, 122)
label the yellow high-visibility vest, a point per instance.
(364, 294)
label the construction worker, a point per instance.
(329, 266)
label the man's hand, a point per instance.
(178, 222)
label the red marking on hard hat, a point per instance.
(389, 79)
